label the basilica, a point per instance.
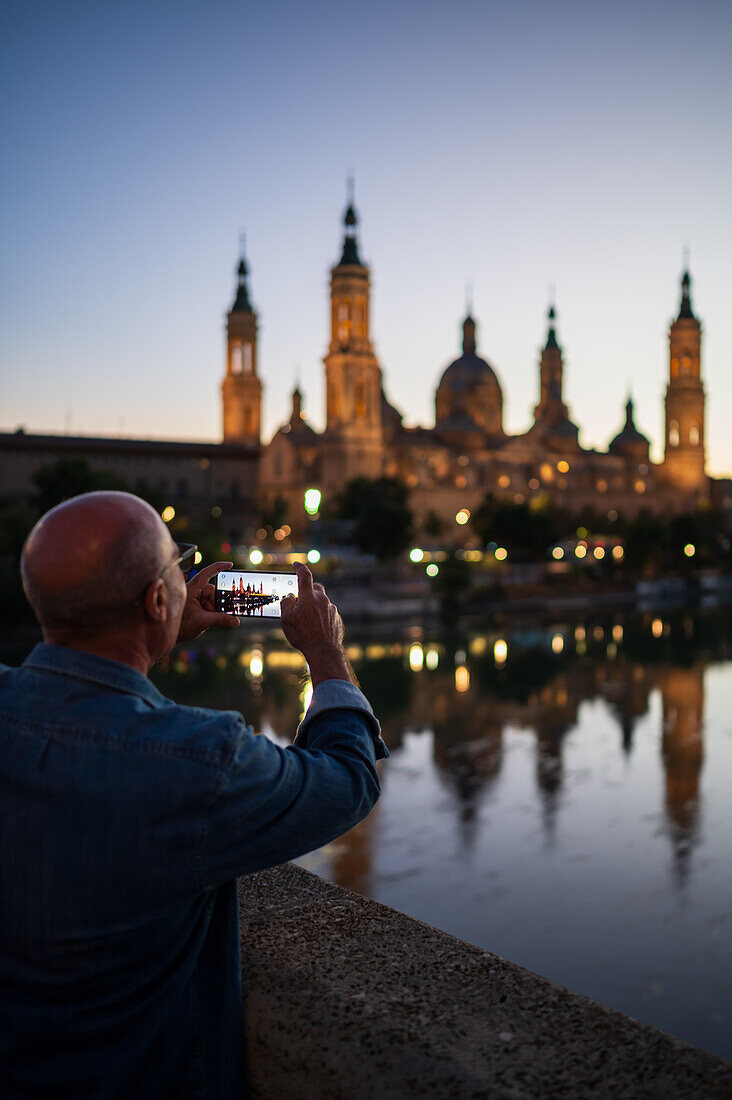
(448, 467)
(451, 465)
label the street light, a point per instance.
(312, 501)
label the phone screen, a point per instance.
(253, 595)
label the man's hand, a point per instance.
(199, 613)
(311, 623)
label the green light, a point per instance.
(312, 501)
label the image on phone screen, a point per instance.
(253, 595)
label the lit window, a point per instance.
(640, 486)
(504, 481)
(236, 360)
(694, 435)
(673, 434)
(563, 467)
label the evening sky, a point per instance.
(512, 146)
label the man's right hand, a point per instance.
(311, 623)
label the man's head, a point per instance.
(94, 568)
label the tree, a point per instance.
(526, 532)
(433, 525)
(68, 477)
(382, 519)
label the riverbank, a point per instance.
(347, 999)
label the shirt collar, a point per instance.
(79, 665)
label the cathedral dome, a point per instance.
(630, 441)
(469, 390)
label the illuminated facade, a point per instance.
(467, 453)
(241, 389)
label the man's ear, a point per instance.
(157, 601)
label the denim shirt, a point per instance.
(124, 821)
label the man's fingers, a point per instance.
(222, 619)
(204, 575)
(304, 579)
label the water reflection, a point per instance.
(546, 797)
(470, 690)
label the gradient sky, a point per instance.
(513, 146)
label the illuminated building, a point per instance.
(450, 466)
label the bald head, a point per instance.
(87, 560)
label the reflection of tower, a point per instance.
(468, 744)
(352, 861)
(556, 715)
(353, 435)
(682, 694)
(684, 453)
(630, 699)
(241, 389)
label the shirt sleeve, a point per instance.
(271, 804)
(336, 695)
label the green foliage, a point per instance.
(382, 519)
(433, 525)
(275, 514)
(451, 585)
(68, 477)
(526, 532)
(16, 520)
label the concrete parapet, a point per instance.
(346, 999)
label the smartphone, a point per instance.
(253, 595)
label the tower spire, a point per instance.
(241, 302)
(350, 221)
(685, 309)
(551, 337)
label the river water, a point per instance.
(559, 792)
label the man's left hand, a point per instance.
(199, 613)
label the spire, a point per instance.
(551, 339)
(296, 414)
(686, 310)
(629, 413)
(468, 336)
(241, 302)
(350, 221)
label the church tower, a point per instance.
(353, 434)
(684, 455)
(551, 368)
(551, 415)
(241, 389)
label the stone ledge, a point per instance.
(346, 999)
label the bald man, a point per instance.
(125, 818)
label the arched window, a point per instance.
(247, 359)
(236, 357)
(360, 400)
(694, 435)
(673, 434)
